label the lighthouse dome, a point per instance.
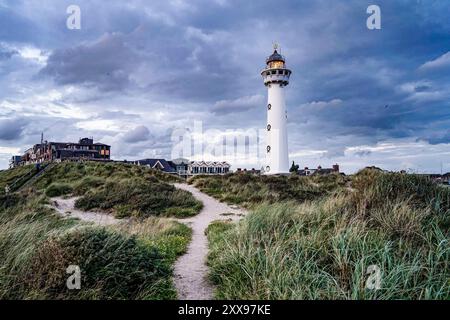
(275, 61)
(275, 57)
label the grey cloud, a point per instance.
(12, 129)
(242, 104)
(193, 60)
(363, 153)
(138, 134)
(439, 63)
(111, 115)
(105, 64)
(7, 53)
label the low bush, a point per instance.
(140, 198)
(58, 189)
(130, 261)
(248, 189)
(112, 266)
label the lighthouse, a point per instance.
(276, 77)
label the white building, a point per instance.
(208, 167)
(276, 77)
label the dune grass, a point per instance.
(129, 261)
(140, 198)
(123, 262)
(9, 177)
(248, 190)
(123, 190)
(322, 249)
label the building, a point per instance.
(208, 167)
(319, 171)
(184, 167)
(252, 171)
(15, 161)
(85, 149)
(438, 178)
(276, 77)
(157, 164)
(180, 165)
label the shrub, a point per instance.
(112, 266)
(58, 189)
(140, 198)
(86, 184)
(249, 190)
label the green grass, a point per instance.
(130, 261)
(123, 190)
(321, 249)
(124, 262)
(8, 177)
(248, 189)
(140, 198)
(58, 189)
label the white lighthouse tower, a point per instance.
(276, 77)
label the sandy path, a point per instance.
(66, 207)
(190, 269)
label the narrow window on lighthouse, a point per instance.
(268, 149)
(269, 127)
(267, 169)
(269, 106)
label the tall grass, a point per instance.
(322, 249)
(10, 177)
(132, 261)
(140, 198)
(248, 189)
(123, 190)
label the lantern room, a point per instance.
(275, 61)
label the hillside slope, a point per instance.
(329, 246)
(127, 261)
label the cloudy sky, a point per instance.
(137, 70)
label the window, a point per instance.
(267, 169)
(268, 149)
(276, 64)
(269, 106)
(269, 127)
(268, 73)
(286, 72)
(274, 71)
(280, 71)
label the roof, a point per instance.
(179, 161)
(222, 164)
(153, 163)
(100, 144)
(275, 57)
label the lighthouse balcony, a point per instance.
(276, 76)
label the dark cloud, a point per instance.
(242, 104)
(138, 134)
(161, 64)
(11, 129)
(6, 53)
(118, 115)
(106, 64)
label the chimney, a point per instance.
(336, 168)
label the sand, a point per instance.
(191, 271)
